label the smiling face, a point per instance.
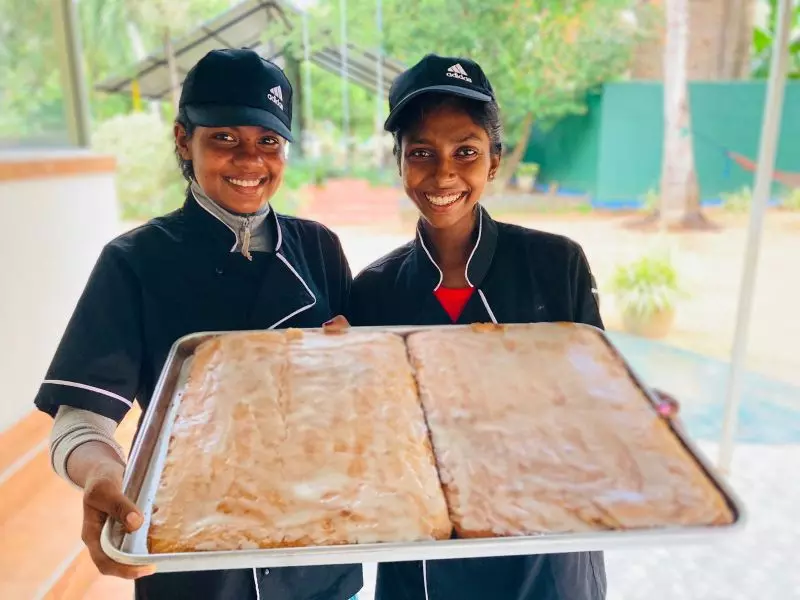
(240, 168)
(445, 162)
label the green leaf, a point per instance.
(762, 40)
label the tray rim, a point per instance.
(112, 537)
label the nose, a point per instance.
(248, 154)
(445, 170)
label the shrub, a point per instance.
(148, 180)
(791, 199)
(651, 200)
(739, 201)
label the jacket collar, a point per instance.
(284, 292)
(219, 231)
(478, 263)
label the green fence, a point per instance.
(613, 153)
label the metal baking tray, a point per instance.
(143, 474)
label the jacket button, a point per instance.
(219, 270)
(266, 571)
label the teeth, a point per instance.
(244, 182)
(443, 200)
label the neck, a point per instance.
(201, 196)
(250, 229)
(452, 247)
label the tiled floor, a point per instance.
(760, 563)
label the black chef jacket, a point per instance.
(520, 276)
(177, 275)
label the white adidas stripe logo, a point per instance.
(458, 72)
(276, 96)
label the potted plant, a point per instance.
(646, 291)
(526, 176)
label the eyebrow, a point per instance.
(466, 138)
(237, 129)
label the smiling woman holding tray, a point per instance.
(464, 267)
(224, 261)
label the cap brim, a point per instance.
(213, 115)
(453, 90)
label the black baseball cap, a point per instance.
(238, 87)
(441, 74)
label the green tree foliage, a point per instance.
(104, 38)
(328, 104)
(763, 38)
(31, 100)
(31, 97)
(541, 55)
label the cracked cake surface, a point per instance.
(541, 429)
(295, 439)
(310, 439)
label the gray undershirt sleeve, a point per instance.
(75, 426)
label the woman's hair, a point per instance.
(483, 114)
(187, 170)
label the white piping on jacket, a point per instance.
(424, 247)
(425, 577)
(280, 235)
(477, 243)
(488, 308)
(469, 260)
(90, 388)
(305, 285)
(255, 582)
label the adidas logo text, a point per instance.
(276, 96)
(458, 72)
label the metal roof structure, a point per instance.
(242, 27)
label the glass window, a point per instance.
(31, 90)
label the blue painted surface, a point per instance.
(633, 203)
(629, 203)
(769, 412)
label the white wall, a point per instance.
(51, 231)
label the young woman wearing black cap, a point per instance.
(464, 267)
(224, 261)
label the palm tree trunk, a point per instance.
(680, 196)
(736, 33)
